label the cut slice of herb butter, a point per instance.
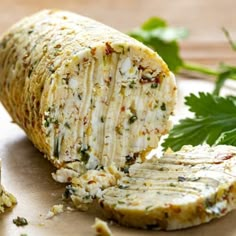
(179, 190)
(7, 200)
(84, 92)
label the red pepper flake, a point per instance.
(85, 120)
(38, 104)
(140, 67)
(26, 111)
(122, 108)
(227, 157)
(108, 80)
(217, 162)
(101, 203)
(157, 79)
(58, 46)
(93, 51)
(223, 211)
(109, 50)
(91, 182)
(223, 157)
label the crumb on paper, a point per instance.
(55, 210)
(70, 208)
(41, 224)
(20, 221)
(101, 228)
(7, 200)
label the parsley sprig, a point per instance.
(214, 122)
(156, 34)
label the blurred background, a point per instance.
(204, 19)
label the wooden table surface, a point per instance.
(28, 175)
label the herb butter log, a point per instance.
(7, 200)
(82, 91)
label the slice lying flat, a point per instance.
(179, 190)
(6, 199)
(82, 91)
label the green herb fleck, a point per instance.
(20, 221)
(87, 197)
(118, 129)
(56, 148)
(102, 119)
(148, 208)
(132, 119)
(65, 80)
(172, 185)
(46, 123)
(67, 125)
(123, 186)
(84, 154)
(51, 69)
(163, 107)
(120, 202)
(30, 72)
(181, 178)
(69, 192)
(155, 85)
(125, 169)
(131, 85)
(79, 96)
(129, 160)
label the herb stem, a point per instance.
(200, 69)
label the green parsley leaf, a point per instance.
(228, 138)
(153, 23)
(206, 104)
(227, 35)
(214, 117)
(227, 72)
(163, 39)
